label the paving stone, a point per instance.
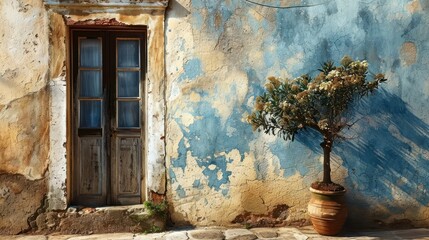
(60, 237)
(381, 235)
(151, 236)
(419, 233)
(239, 234)
(208, 234)
(293, 236)
(23, 237)
(306, 230)
(177, 236)
(286, 233)
(276, 238)
(107, 236)
(265, 232)
(293, 233)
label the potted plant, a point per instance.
(288, 107)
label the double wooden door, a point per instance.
(107, 102)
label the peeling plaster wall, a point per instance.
(24, 111)
(58, 130)
(219, 54)
(33, 101)
(23, 79)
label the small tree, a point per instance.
(290, 106)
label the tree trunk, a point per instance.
(327, 146)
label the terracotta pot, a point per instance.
(328, 211)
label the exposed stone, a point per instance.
(156, 197)
(239, 234)
(409, 53)
(414, 6)
(19, 202)
(53, 219)
(105, 21)
(78, 220)
(72, 209)
(87, 210)
(41, 222)
(97, 222)
(276, 217)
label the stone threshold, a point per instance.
(86, 210)
(88, 220)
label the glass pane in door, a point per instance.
(90, 114)
(128, 53)
(90, 83)
(128, 114)
(90, 53)
(128, 84)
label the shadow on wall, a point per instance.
(387, 162)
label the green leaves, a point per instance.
(289, 106)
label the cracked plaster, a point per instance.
(33, 95)
(218, 169)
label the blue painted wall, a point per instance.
(229, 48)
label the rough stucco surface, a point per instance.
(24, 112)
(33, 103)
(24, 106)
(218, 55)
(20, 199)
(219, 170)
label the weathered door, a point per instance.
(107, 108)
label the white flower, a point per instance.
(325, 85)
(332, 74)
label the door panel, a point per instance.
(89, 162)
(91, 166)
(127, 170)
(107, 90)
(127, 122)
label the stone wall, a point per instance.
(219, 54)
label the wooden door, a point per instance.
(108, 67)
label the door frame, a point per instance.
(63, 16)
(72, 128)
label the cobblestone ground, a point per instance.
(213, 233)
